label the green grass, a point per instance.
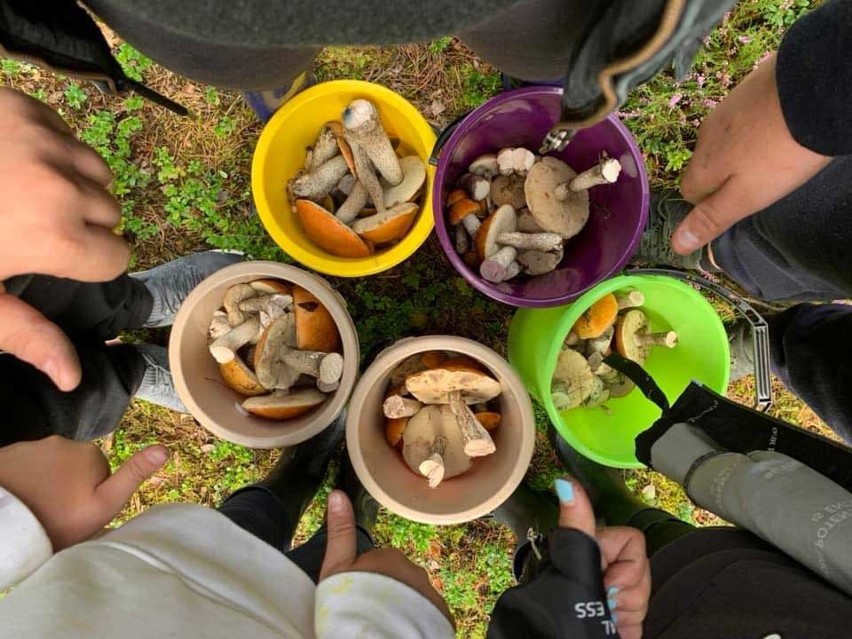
(185, 184)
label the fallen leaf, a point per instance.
(437, 108)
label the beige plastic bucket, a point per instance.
(196, 373)
(386, 476)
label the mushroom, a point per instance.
(324, 149)
(433, 466)
(572, 339)
(414, 177)
(270, 287)
(602, 343)
(605, 172)
(316, 329)
(320, 182)
(271, 306)
(597, 318)
(409, 366)
(508, 189)
(284, 405)
(224, 348)
(419, 437)
(396, 406)
(329, 233)
(433, 386)
(631, 299)
(566, 217)
(518, 161)
(489, 419)
(573, 380)
(238, 376)
(485, 165)
(366, 174)
(477, 186)
(327, 388)
(346, 184)
(218, 325)
(537, 241)
(495, 260)
(271, 370)
(527, 223)
(388, 226)
(394, 428)
(599, 394)
(534, 262)
(461, 240)
(466, 212)
(477, 441)
(326, 367)
(233, 296)
(354, 203)
(456, 195)
(364, 129)
(632, 339)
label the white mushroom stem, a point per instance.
(327, 367)
(397, 406)
(496, 268)
(471, 224)
(233, 296)
(538, 241)
(629, 300)
(462, 241)
(485, 165)
(477, 186)
(518, 161)
(365, 172)
(477, 441)
(669, 339)
(364, 128)
(513, 270)
(572, 339)
(273, 305)
(433, 466)
(224, 348)
(219, 325)
(327, 388)
(324, 149)
(319, 183)
(354, 203)
(605, 172)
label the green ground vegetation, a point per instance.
(184, 185)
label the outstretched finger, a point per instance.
(32, 338)
(575, 509)
(116, 490)
(341, 548)
(711, 217)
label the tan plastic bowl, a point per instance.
(196, 373)
(477, 492)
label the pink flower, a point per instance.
(710, 103)
(677, 97)
(700, 80)
(744, 39)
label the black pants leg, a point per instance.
(256, 510)
(798, 249)
(89, 313)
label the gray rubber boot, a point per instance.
(170, 283)
(157, 384)
(741, 342)
(668, 209)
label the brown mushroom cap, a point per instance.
(462, 208)
(509, 189)
(315, 327)
(420, 433)
(489, 419)
(414, 177)
(456, 195)
(238, 376)
(535, 262)
(270, 287)
(433, 386)
(385, 227)
(564, 217)
(600, 316)
(329, 233)
(284, 405)
(627, 328)
(503, 220)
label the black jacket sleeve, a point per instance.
(814, 76)
(565, 599)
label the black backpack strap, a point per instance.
(61, 36)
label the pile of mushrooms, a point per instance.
(438, 410)
(355, 193)
(278, 345)
(512, 212)
(614, 321)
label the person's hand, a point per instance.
(57, 219)
(68, 486)
(340, 555)
(745, 159)
(626, 569)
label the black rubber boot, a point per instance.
(299, 474)
(526, 510)
(612, 500)
(366, 508)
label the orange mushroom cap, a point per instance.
(329, 233)
(462, 208)
(597, 318)
(315, 327)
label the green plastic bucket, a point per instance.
(606, 434)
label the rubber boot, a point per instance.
(366, 508)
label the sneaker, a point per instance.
(157, 384)
(266, 103)
(170, 283)
(741, 342)
(668, 209)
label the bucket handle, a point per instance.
(759, 328)
(444, 135)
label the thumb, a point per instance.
(116, 490)
(32, 338)
(340, 551)
(711, 217)
(575, 509)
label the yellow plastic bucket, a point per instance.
(280, 154)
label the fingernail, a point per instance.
(687, 241)
(612, 591)
(336, 501)
(612, 603)
(614, 618)
(157, 456)
(565, 490)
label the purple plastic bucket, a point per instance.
(619, 211)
